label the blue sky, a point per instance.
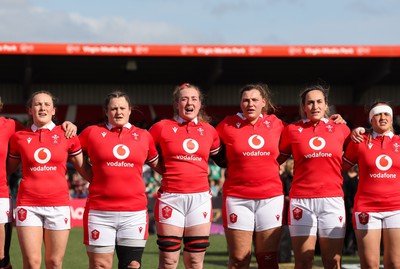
(224, 22)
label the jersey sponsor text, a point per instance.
(43, 168)
(189, 158)
(383, 175)
(318, 155)
(256, 153)
(119, 164)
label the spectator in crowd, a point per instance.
(216, 174)
(153, 184)
(376, 209)
(43, 211)
(183, 209)
(253, 192)
(115, 217)
(350, 183)
(316, 196)
(78, 186)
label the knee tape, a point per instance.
(169, 243)
(126, 255)
(196, 243)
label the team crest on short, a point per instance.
(95, 234)
(297, 213)
(22, 214)
(363, 218)
(166, 212)
(233, 218)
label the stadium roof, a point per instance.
(205, 65)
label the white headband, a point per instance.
(380, 109)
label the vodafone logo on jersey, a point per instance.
(42, 155)
(190, 145)
(317, 143)
(383, 162)
(121, 151)
(256, 141)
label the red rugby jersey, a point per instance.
(185, 148)
(379, 172)
(251, 152)
(7, 128)
(117, 158)
(317, 152)
(44, 153)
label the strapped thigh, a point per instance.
(196, 243)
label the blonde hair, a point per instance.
(202, 116)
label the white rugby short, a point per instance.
(253, 214)
(183, 210)
(108, 228)
(54, 218)
(6, 213)
(327, 216)
(376, 220)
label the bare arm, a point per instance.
(346, 166)
(282, 158)
(157, 166)
(83, 168)
(220, 157)
(69, 128)
(338, 119)
(356, 134)
(12, 165)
